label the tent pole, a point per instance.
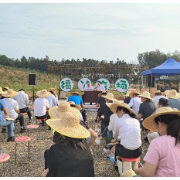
(151, 84)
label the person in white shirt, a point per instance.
(99, 87)
(52, 101)
(41, 105)
(128, 128)
(158, 95)
(13, 108)
(23, 101)
(135, 102)
(88, 87)
(54, 92)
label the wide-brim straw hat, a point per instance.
(117, 104)
(127, 93)
(43, 93)
(146, 94)
(75, 92)
(172, 94)
(149, 122)
(77, 106)
(133, 92)
(158, 91)
(62, 108)
(1, 91)
(53, 90)
(167, 93)
(69, 125)
(128, 173)
(6, 87)
(9, 93)
(109, 96)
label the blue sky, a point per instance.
(99, 31)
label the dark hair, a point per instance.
(72, 105)
(21, 90)
(125, 110)
(76, 143)
(158, 93)
(163, 102)
(173, 125)
(99, 81)
(52, 93)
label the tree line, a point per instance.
(149, 58)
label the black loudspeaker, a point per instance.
(149, 81)
(32, 80)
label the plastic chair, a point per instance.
(22, 139)
(4, 158)
(125, 164)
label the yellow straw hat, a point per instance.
(173, 94)
(10, 93)
(146, 94)
(62, 108)
(54, 90)
(43, 93)
(69, 125)
(133, 92)
(117, 104)
(73, 103)
(6, 88)
(167, 93)
(149, 122)
(128, 173)
(127, 93)
(109, 96)
(1, 91)
(158, 91)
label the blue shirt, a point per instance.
(76, 99)
(2, 106)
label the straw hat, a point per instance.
(167, 93)
(73, 103)
(127, 93)
(149, 122)
(133, 92)
(128, 173)
(5, 88)
(43, 93)
(69, 125)
(109, 96)
(62, 108)
(117, 104)
(158, 91)
(172, 94)
(1, 91)
(146, 94)
(54, 90)
(10, 93)
(75, 93)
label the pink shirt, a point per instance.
(163, 153)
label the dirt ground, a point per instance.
(35, 166)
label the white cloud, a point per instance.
(99, 31)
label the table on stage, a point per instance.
(91, 96)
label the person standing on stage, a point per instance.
(99, 86)
(88, 87)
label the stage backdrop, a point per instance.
(104, 82)
(82, 83)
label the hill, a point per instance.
(17, 78)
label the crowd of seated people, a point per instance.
(70, 154)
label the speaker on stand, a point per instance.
(32, 82)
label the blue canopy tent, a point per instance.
(169, 68)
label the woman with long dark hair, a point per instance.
(163, 156)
